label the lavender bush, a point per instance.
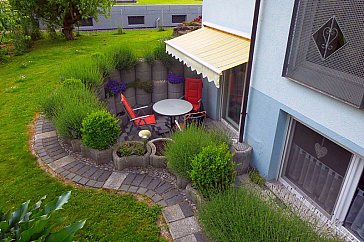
(114, 87)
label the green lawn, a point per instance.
(141, 2)
(110, 217)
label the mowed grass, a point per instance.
(144, 2)
(24, 81)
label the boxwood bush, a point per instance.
(187, 144)
(100, 130)
(212, 170)
(244, 215)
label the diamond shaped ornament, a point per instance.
(329, 38)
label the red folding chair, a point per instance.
(138, 121)
(197, 119)
(193, 93)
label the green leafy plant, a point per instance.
(212, 170)
(161, 54)
(256, 178)
(37, 223)
(149, 57)
(120, 30)
(131, 148)
(124, 58)
(86, 70)
(246, 215)
(105, 63)
(147, 86)
(68, 106)
(187, 144)
(100, 130)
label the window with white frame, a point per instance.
(328, 175)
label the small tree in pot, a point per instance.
(100, 131)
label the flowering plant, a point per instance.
(174, 79)
(114, 87)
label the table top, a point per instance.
(172, 107)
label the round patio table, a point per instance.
(172, 108)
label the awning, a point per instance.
(209, 51)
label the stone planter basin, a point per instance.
(121, 163)
(156, 160)
(98, 156)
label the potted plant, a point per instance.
(100, 130)
(112, 89)
(125, 61)
(175, 85)
(143, 93)
(157, 158)
(131, 154)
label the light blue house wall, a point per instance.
(273, 98)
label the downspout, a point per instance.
(249, 71)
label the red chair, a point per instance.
(193, 93)
(138, 121)
(197, 119)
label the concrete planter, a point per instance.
(111, 105)
(242, 157)
(128, 75)
(129, 93)
(76, 145)
(157, 160)
(159, 71)
(115, 75)
(121, 163)
(175, 90)
(123, 119)
(143, 71)
(160, 90)
(98, 156)
(181, 182)
(177, 68)
(194, 195)
(100, 91)
(188, 73)
(142, 97)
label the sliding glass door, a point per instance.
(233, 94)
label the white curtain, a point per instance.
(355, 216)
(317, 180)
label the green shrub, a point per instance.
(213, 169)
(187, 144)
(105, 63)
(161, 54)
(124, 58)
(100, 130)
(149, 57)
(147, 86)
(37, 223)
(86, 70)
(256, 178)
(68, 106)
(243, 215)
(120, 30)
(131, 148)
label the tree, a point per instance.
(63, 13)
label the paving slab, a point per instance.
(186, 209)
(173, 213)
(184, 227)
(138, 179)
(162, 188)
(128, 180)
(154, 183)
(188, 238)
(45, 135)
(61, 162)
(146, 181)
(115, 180)
(142, 190)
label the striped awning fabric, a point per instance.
(209, 51)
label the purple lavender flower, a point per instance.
(175, 79)
(114, 87)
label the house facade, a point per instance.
(305, 118)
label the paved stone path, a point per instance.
(177, 212)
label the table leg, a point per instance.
(172, 122)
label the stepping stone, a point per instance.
(61, 162)
(115, 180)
(173, 213)
(184, 227)
(45, 135)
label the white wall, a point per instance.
(336, 116)
(233, 14)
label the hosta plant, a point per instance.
(37, 223)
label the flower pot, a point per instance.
(142, 97)
(181, 182)
(160, 90)
(98, 156)
(175, 90)
(156, 160)
(121, 163)
(123, 119)
(159, 71)
(76, 145)
(115, 75)
(242, 157)
(177, 68)
(193, 194)
(111, 105)
(143, 71)
(129, 93)
(128, 75)
(118, 105)
(100, 92)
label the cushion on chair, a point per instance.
(127, 106)
(193, 92)
(145, 121)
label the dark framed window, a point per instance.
(176, 19)
(133, 20)
(325, 48)
(87, 22)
